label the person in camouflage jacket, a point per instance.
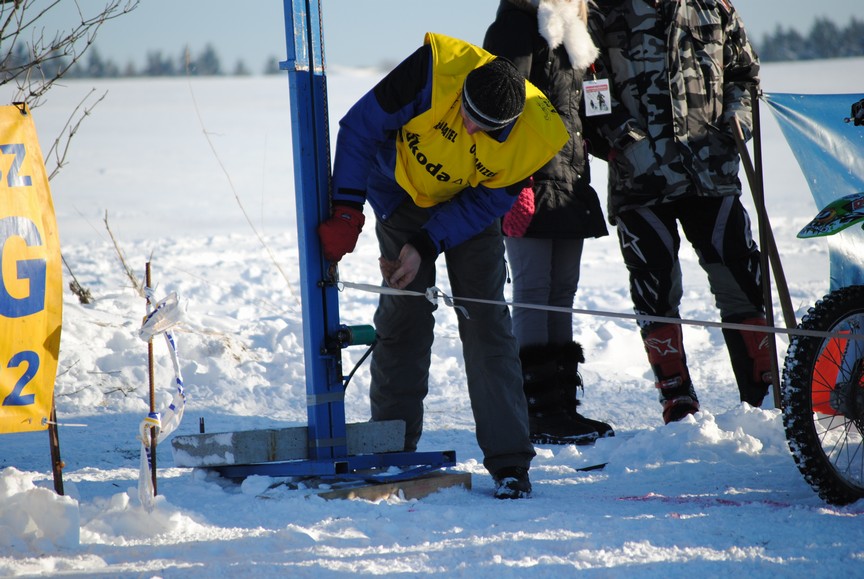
(680, 71)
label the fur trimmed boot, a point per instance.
(570, 355)
(549, 419)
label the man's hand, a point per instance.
(388, 267)
(408, 266)
(339, 234)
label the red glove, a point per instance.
(339, 234)
(517, 220)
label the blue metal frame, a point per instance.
(360, 466)
(325, 389)
(308, 91)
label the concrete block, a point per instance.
(273, 445)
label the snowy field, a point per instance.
(196, 177)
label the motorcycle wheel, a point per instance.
(823, 397)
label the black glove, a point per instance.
(858, 113)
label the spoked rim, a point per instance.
(837, 395)
(823, 396)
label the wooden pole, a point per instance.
(54, 443)
(150, 373)
(769, 253)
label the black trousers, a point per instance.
(719, 231)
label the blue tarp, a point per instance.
(830, 151)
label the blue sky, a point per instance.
(356, 32)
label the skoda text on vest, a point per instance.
(413, 140)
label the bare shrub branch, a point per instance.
(136, 283)
(34, 61)
(60, 147)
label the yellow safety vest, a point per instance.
(437, 158)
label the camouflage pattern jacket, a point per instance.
(680, 71)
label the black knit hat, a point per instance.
(494, 94)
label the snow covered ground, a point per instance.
(189, 174)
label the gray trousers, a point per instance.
(545, 272)
(405, 327)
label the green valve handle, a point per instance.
(357, 335)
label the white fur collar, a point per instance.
(559, 23)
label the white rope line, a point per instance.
(45, 421)
(433, 293)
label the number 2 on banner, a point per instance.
(16, 398)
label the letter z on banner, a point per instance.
(31, 285)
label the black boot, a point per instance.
(569, 357)
(548, 418)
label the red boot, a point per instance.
(664, 345)
(750, 354)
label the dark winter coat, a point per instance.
(566, 206)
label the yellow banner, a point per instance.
(31, 284)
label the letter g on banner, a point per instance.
(31, 284)
(32, 298)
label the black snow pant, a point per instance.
(718, 228)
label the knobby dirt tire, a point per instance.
(823, 398)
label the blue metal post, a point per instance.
(311, 145)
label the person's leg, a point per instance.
(566, 266)
(649, 243)
(719, 230)
(566, 263)
(530, 270)
(494, 375)
(550, 419)
(404, 326)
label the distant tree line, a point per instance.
(825, 40)
(95, 65)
